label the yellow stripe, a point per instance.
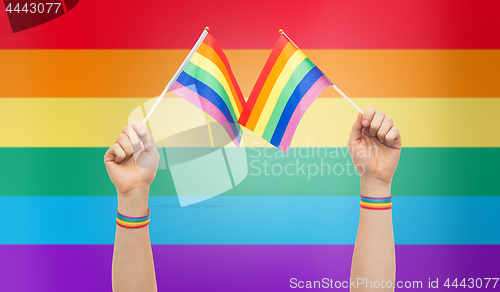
(376, 205)
(96, 122)
(271, 78)
(131, 224)
(288, 70)
(207, 65)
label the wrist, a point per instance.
(133, 203)
(375, 188)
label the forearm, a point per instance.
(133, 267)
(374, 254)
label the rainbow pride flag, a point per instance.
(287, 86)
(208, 83)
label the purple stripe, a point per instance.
(208, 107)
(301, 109)
(198, 101)
(231, 267)
(128, 217)
(372, 198)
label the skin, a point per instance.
(375, 148)
(374, 145)
(132, 168)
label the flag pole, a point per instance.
(179, 71)
(333, 85)
(348, 99)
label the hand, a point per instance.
(132, 168)
(375, 147)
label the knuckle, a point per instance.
(388, 124)
(117, 148)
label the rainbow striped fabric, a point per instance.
(131, 222)
(287, 86)
(376, 203)
(208, 83)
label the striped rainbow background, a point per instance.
(68, 86)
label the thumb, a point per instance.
(356, 131)
(144, 136)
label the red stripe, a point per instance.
(370, 208)
(210, 41)
(322, 24)
(278, 47)
(131, 227)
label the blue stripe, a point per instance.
(250, 220)
(207, 92)
(305, 84)
(142, 219)
(375, 201)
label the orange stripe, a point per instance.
(271, 60)
(210, 41)
(209, 53)
(370, 208)
(285, 55)
(144, 73)
(121, 222)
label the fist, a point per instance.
(132, 161)
(375, 147)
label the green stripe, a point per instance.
(375, 201)
(297, 76)
(208, 79)
(132, 220)
(421, 172)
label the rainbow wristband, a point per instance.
(376, 203)
(131, 222)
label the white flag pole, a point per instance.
(348, 99)
(179, 71)
(333, 85)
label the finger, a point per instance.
(393, 138)
(115, 153)
(387, 124)
(143, 133)
(133, 138)
(356, 131)
(368, 116)
(376, 122)
(125, 144)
